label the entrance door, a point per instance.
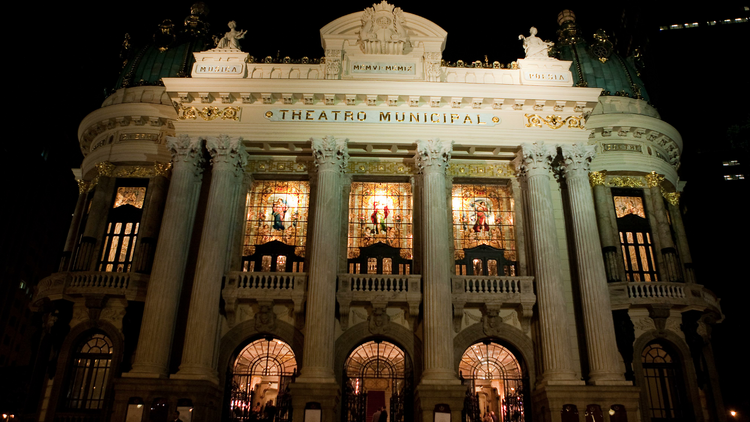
(498, 384)
(375, 376)
(259, 381)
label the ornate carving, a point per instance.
(672, 197)
(554, 122)
(333, 64)
(535, 159)
(265, 318)
(276, 166)
(83, 186)
(432, 69)
(433, 154)
(329, 151)
(378, 320)
(228, 153)
(187, 150)
(480, 170)
(380, 167)
(105, 168)
(162, 169)
(654, 179)
(597, 178)
(382, 30)
(491, 321)
(577, 159)
(208, 113)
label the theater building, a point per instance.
(314, 239)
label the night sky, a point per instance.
(64, 56)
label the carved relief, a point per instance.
(378, 320)
(329, 151)
(265, 318)
(433, 154)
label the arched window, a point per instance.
(663, 383)
(90, 372)
(635, 236)
(122, 229)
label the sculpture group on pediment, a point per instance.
(382, 30)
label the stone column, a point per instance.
(432, 159)
(534, 163)
(331, 158)
(70, 241)
(673, 199)
(228, 158)
(604, 367)
(608, 233)
(670, 270)
(165, 283)
(151, 219)
(317, 382)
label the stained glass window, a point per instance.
(130, 196)
(483, 215)
(380, 213)
(625, 205)
(277, 211)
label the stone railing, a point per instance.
(263, 287)
(493, 292)
(624, 295)
(132, 286)
(378, 291)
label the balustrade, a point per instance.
(131, 285)
(628, 294)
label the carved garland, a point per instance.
(554, 122)
(208, 113)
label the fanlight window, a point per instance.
(266, 358)
(663, 383)
(90, 371)
(376, 360)
(483, 230)
(489, 361)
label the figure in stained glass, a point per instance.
(379, 216)
(279, 209)
(480, 211)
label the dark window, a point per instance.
(663, 384)
(89, 373)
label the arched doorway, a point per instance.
(497, 383)
(664, 384)
(377, 374)
(259, 380)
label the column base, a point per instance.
(196, 374)
(550, 401)
(146, 371)
(428, 396)
(206, 397)
(608, 379)
(325, 396)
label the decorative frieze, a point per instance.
(458, 169)
(554, 122)
(208, 113)
(277, 166)
(380, 168)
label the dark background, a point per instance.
(61, 58)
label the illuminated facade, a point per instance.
(317, 239)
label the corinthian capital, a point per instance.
(433, 154)
(227, 153)
(654, 179)
(330, 153)
(535, 159)
(186, 151)
(577, 159)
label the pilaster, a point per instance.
(670, 270)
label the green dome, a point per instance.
(170, 54)
(596, 64)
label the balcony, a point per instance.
(262, 287)
(379, 291)
(689, 296)
(496, 292)
(131, 286)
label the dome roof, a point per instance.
(169, 54)
(596, 64)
